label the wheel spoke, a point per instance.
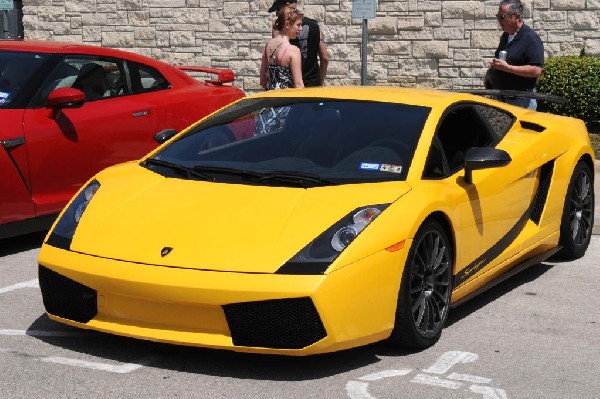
(420, 305)
(575, 228)
(441, 269)
(430, 316)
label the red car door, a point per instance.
(15, 202)
(68, 146)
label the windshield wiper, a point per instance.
(285, 177)
(227, 171)
(187, 172)
(296, 178)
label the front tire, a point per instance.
(425, 289)
(577, 219)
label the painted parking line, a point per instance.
(41, 333)
(65, 361)
(18, 286)
(122, 368)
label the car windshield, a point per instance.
(297, 143)
(16, 69)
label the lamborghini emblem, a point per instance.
(165, 251)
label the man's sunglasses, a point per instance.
(501, 17)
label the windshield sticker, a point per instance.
(391, 168)
(369, 166)
(3, 96)
(381, 167)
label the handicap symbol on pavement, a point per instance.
(437, 375)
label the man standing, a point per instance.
(315, 57)
(521, 64)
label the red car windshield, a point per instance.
(16, 69)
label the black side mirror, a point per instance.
(484, 158)
(164, 135)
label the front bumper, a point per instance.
(262, 313)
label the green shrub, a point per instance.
(578, 80)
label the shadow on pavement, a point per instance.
(226, 363)
(497, 291)
(11, 246)
(195, 360)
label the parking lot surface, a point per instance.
(536, 335)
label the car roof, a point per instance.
(49, 46)
(400, 95)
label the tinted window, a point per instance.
(499, 120)
(16, 69)
(145, 78)
(96, 77)
(461, 127)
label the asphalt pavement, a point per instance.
(596, 229)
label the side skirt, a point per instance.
(27, 226)
(509, 273)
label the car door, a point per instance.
(68, 146)
(19, 71)
(15, 201)
(492, 210)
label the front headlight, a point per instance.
(316, 257)
(62, 234)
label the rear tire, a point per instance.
(577, 219)
(425, 289)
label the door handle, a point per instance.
(140, 113)
(12, 143)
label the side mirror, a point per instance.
(164, 135)
(66, 97)
(484, 158)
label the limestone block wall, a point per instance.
(442, 44)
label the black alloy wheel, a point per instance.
(425, 290)
(577, 219)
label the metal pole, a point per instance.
(5, 33)
(365, 38)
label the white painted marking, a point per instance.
(18, 286)
(470, 378)
(489, 392)
(42, 333)
(122, 369)
(384, 374)
(358, 390)
(449, 359)
(435, 381)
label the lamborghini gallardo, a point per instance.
(306, 221)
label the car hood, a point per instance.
(213, 226)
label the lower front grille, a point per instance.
(280, 324)
(67, 298)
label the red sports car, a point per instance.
(68, 111)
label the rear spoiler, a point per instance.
(515, 93)
(223, 75)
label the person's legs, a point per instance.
(529, 103)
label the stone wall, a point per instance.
(443, 44)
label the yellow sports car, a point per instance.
(306, 221)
